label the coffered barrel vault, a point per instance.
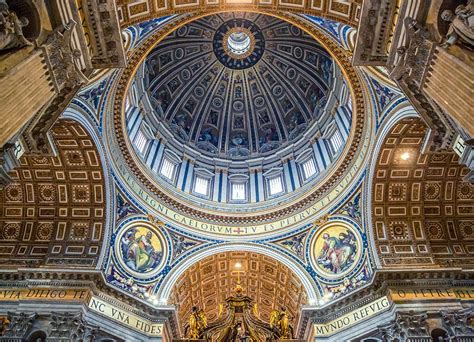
(422, 207)
(53, 213)
(270, 283)
(131, 12)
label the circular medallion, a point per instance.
(335, 249)
(238, 43)
(141, 249)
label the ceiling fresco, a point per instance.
(232, 107)
(239, 148)
(164, 251)
(148, 253)
(139, 160)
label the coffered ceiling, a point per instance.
(423, 210)
(209, 282)
(53, 213)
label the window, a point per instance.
(140, 141)
(18, 149)
(349, 100)
(309, 168)
(167, 168)
(238, 191)
(275, 185)
(336, 141)
(459, 146)
(127, 103)
(201, 186)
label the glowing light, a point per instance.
(155, 302)
(238, 265)
(238, 42)
(405, 156)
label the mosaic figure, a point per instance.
(141, 249)
(337, 251)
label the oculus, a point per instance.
(336, 249)
(239, 43)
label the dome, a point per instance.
(236, 91)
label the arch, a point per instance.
(386, 127)
(439, 335)
(130, 12)
(37, 336)
(53, 213)
(170, 280)
(422, 210)
(75, 114)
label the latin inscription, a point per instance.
(127, 318)
(405, 294)
(302, 217)
(42, 294)
(352, 318)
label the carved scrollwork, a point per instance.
(62, 56)
(458, 323)
(71, 327)
(406, 326)
(19, 324)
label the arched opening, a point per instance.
(209, 282)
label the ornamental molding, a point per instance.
(345, 170)
(423, 283)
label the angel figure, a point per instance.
(197, 323)
(11, 28)
(461, 27)
(280, 323)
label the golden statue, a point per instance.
(255, 311)
(197, 324)
(4, 322)
(280, 322)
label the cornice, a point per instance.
(341, 169)
(385, 279)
